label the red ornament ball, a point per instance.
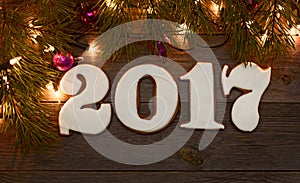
(63, 62)
(87, 15)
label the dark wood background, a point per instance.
(271, 153)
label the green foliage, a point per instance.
(25, 31)
(258, 33)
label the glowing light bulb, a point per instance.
(264, 38)
(92, 48)
(110, 4)
(14, 60)
(150, 10)
(50, 86)
(5, 79)
(294, 31)
(249, 23)
(57, 94)
(30, 24)
(280, 8)
(50, 48)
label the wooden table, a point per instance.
(269, 154)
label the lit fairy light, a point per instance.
(34, 32)
(14, 60)
(94, 49)
(264, 38)
(31, 25)
(49, 48)
(249, 23)
(50, 86)
(110, 4)
(280, 8)
(57, 94)
(5, 79)
(150, 10)
(294, 31)
(79, 59)
(54, 91)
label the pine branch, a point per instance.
(26, 31)
(279, 18)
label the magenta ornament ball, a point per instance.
(88, 16)
(63, 62)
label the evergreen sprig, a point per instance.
(259, 32)
(27, 29)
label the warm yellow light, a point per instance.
(249, 23)
(5, 79)
(294, 31)
(14, 60)
(280, 8)
(50, 86)
(264, 38)
(110, 3)
(50, 48)
(57, 94)
(150, 10)
(92, 48)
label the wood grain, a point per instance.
(269, 154)
(272, 146)
(148, 177)
(284, 85)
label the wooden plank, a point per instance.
(133, 176)
(274, 145)
(267, 110)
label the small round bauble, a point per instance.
(63, 62)
(87, 15)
